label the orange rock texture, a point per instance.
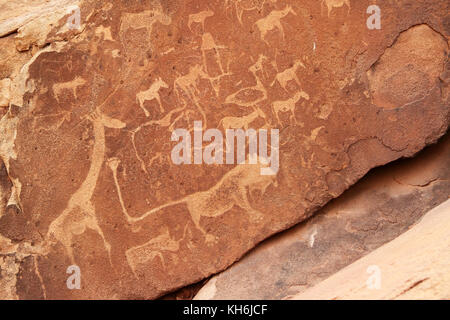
(94, 94)
(376, 210)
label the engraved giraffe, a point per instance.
(273, 21)
(151, 94)
(143, 19)
(258, 65)
(79, 214)
(288, 105)
(234, 98)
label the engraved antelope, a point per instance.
(70, 85)
(287, 75)
(259, 87)
(152, 249)
(187, 85)
(199, 17)
(335, 4)
(288, 105)
(151, 94)
(273, 21)
(232, 190)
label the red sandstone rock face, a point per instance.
(87, 138)
(408, 70)
(380, 207)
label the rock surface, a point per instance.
(15, 14)
(377, 209)
(413, 266)
(86, 140)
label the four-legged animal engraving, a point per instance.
(70, 85)
(152, 249)
(235, 188)
(335, 4)
(187, 86)
(241, 6)
(208, 43)
(79, 214)
(143, 19)
(232, 190)
(288, 105)
(150, 94)
(287, 75)
(199, 17)
(273, 21)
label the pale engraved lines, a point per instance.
(159, 156)
(152, 249)
(187, 85)
(151, 94)
(259, 66)
(115, 53)
(232, 190)
(312, 237)
(168, 51)
(208, 43)
(110, 122)
(335, 4)
(235, 97)
(308, 141)
(113, 164)
(79, 214)
(105, 33)
(243, 179)
(63, 116)
(314, 133)
(288, 105)
(166, 121)
(73, 85)
(144, 19)
(38, 274)
(241, 122)
(240, 7)
(288, 75)
(199, 17)
(273, 21)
